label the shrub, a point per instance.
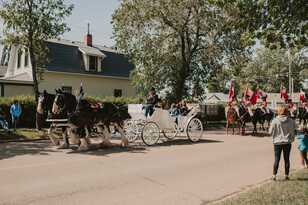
(27, 103)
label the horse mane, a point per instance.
(71, 101)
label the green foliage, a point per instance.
(27, 24)
(176, 45)
(270, 68)
(284, 22)
(294, 191)
(27, 103)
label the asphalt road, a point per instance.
(173, 172)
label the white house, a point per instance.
(102, 71)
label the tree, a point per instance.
(5, 55)
(176, 45)
(284, 21)
(28, 24)
(269, 69)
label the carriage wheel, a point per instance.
(131, 131)
(194, 129)
(170, 134)
(150, 133)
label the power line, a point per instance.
(92, 30)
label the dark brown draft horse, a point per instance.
(82, 113)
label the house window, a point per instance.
(93, 63)
(117, 93)
(18, 60)
(67, 89)
(26, 60)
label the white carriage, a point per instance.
(149, 128)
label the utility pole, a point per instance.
(290, 77)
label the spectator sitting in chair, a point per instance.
(150, 102)
(3, 121)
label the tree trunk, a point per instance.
(179, 88)
(35, 84)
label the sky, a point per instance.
(98, 13)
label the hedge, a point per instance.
(27, 103)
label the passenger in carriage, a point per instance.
(183, 108)
(150, 102)
(174, 110)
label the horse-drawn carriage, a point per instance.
(149, 128)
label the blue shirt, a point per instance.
(304, 142)
(15, 110)
(174, 112)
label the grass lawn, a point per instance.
(294, 191)
(23, 133)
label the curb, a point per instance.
(23, 140)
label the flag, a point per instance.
(261, 93)
(283, 93)
(301, 95)
(252, 96)
(81, 93)
(231, 94)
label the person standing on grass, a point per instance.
(283, 130)
(15, 112)
(303, 146)
(3, 121)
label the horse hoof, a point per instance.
(84, 146)
(124, 145)
(63, 146)
(54, 141)
(82, 149)
(104, 145)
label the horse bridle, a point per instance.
(60, 109)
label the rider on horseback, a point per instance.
(304, 103)
(248, 104)
(289, 105)
(263, 106)
(234, 104)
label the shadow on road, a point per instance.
(9, 150)
(137, 147)
(186, 142)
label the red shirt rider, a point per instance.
(288, 104)
(233, 102)
(304, 103)
(246, 101)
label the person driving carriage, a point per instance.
(234, 104)
(150, 102)
(263, 106)
(248, 104)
